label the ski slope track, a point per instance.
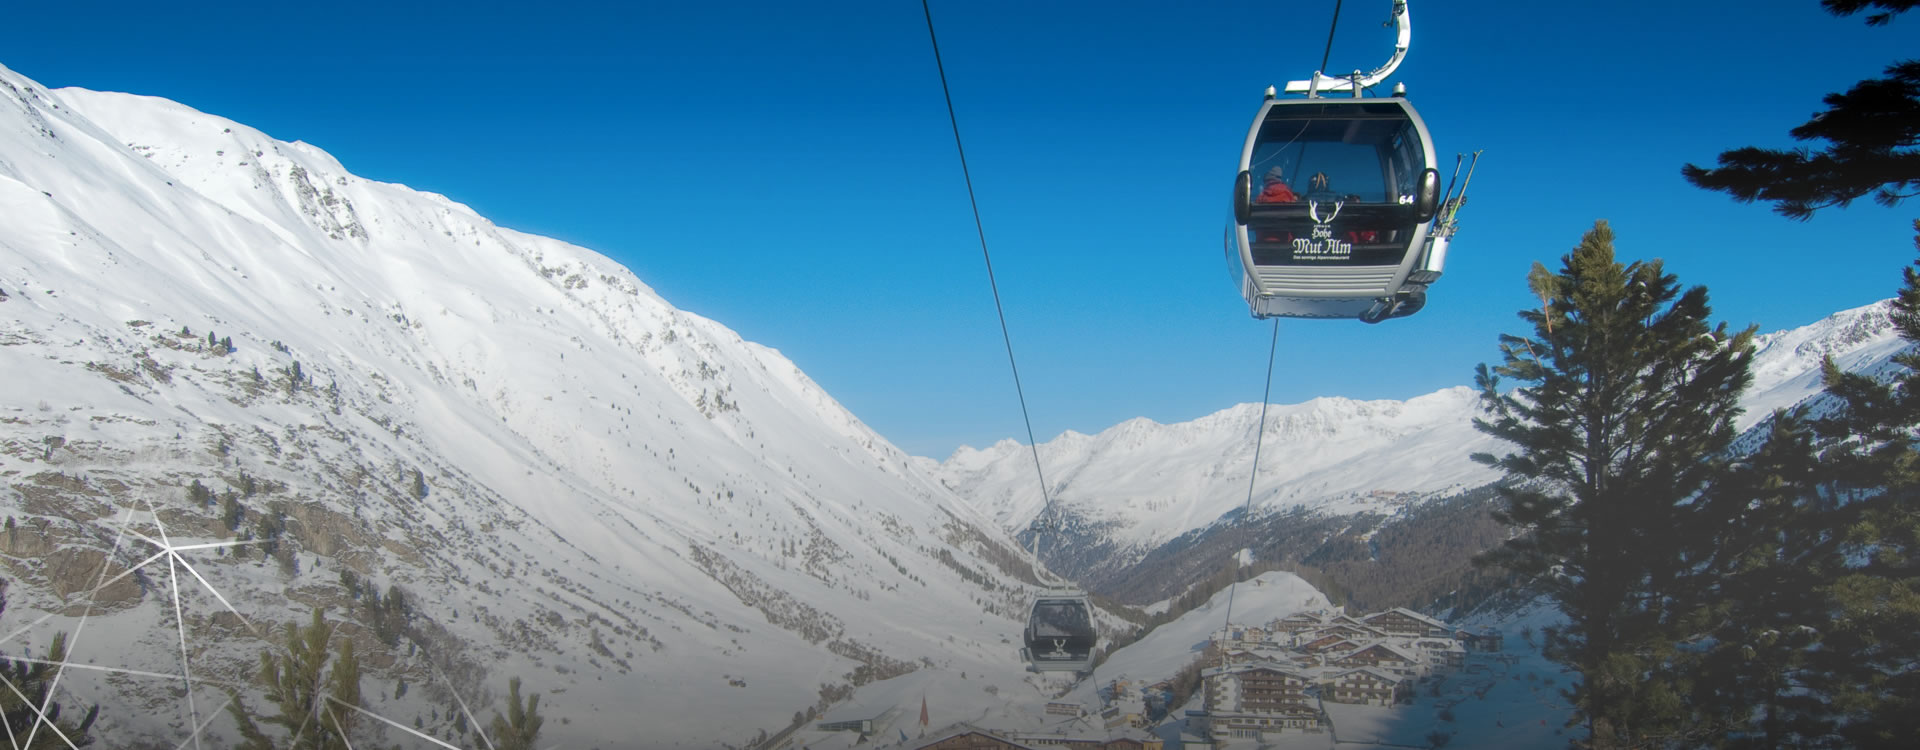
(672, 534)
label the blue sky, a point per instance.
(788, 168)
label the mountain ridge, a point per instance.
(650, 519)
(1127, 490)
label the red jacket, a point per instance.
(1276, 192)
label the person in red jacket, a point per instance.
(1274, 190)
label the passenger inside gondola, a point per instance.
(1274, 190)
(1061, 620)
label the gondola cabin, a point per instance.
(1060, 635)
(1333, 208)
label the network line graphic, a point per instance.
(180, 578)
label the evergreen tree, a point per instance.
(1872, 137)
(1628, 396)
(231, 511)
(25, 698)
(521, 726)
(1754, 595)
(1888, 8)
(1868, 665)
(315, 704)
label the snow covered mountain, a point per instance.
(1134, 487)
(209, 336)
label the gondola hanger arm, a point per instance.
(1321, 82)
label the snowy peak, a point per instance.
(573, 480)
(1145, 483)
(1139, 484)
(1786, 364)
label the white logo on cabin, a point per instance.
(1322, 245)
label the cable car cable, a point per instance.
(1328, 55)
(1259, 433)
(1062, 619)
(980, 228)
(1266, 396)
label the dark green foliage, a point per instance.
(1806, 602)
(1872, 137)
(25, 696)
(1888, 8)
(199, 495)
(1753, 604)
(389, 617)
(231, 511)
(1870, 460)
(1628, 396)
(520, 728)
(315, 702)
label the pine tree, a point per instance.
(25, 698)
(1628, 396)
(1868, 665)
(231, 511)
(1755, 594)
(521, 726)
(1872, 132)
(316, 705)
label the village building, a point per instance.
(1298, 621)
(1384, 655)
(971, 738)
(964, 736)
(1367, 686)
(1442, 652)
(1329, 643)
(1352, 632)
(1256, 700)
(1486, 641)
(1406, 623)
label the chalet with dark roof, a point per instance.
(1406, 623)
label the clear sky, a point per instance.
(788, 169)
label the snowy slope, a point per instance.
(1139, 484)
(1146, 483)
(1786, 365)
(669, 531)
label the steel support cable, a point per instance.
(1260, 429)
(1259, 435)
(1046, 505)
(1328, 55)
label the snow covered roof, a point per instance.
(1403, 611)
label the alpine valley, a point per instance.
(241, 384)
